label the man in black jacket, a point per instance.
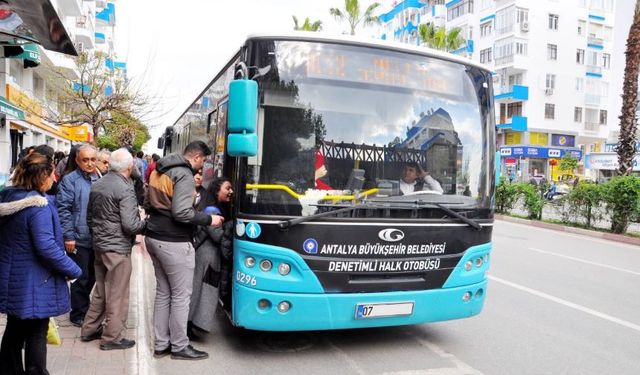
(114, 219)
(172, 221)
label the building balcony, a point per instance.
(591, 127)
(594, 71)
(513, 92)
(516, 123)
(107, 16)
(71, 8)
(595, 41)
(85, 33)
(592, 100)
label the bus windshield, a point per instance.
(342, 123)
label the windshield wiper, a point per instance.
(286, 224)
(419, 204)
(457, 215)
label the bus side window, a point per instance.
(220, 140)
(211, 121)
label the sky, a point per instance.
(174, 51)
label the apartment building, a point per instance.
(27, 97)
(551, 61)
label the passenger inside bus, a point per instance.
(321, 172)
(415, 179)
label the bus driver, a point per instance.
(415, 179)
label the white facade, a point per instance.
(558, 55)
(24, 91)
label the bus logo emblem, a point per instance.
(391, 235)
(310, 246)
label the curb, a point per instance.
(562, 228)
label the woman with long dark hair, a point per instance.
(33, 266)
(213, 251)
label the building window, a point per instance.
(522, 15)
(553, 22)
(485, 56)
(606, 60)
(521, 48)
(582, 26)
(605, 88)
(549, 111)
(514, 109)
(551, 81)
(552, 52)
(577, 114)
(592, 58)
(580, 56)
(486, 29)
(579, 84)
(460, 10)
(603, 117)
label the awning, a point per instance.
(10, 110)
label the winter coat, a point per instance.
(113, 214)
(33, 263)
(213, 261)
(169, 201)
(73, 199)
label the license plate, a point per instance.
(379, 310)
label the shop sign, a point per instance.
(563, 140)
(539, 152)
(608, 162)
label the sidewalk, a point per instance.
(563, 228)
(75, 357)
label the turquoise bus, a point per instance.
(364, 174)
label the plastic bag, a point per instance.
(53, 336)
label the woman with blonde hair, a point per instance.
(33, 266)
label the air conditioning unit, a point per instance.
(524, 26)
(548, 92)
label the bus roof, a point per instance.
(307, 36)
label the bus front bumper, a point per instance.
(338, 311)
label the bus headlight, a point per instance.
(468, 265)
(284, 269)
(249, 262)
(284, 306)
(265, 265)
(479, 262)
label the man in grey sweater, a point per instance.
(114, 220)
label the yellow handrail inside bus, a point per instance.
(289, 191)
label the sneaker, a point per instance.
(94, 336)
(162, 353)
(122, 344)
(189, 353)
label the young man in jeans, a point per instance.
(170, 227)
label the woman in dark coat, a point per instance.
(33, 266)
(213, 250)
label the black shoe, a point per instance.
(94, 336)
(162, 353)
(189, 353)
(77, 322)
(122, 344)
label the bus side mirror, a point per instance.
(161, 143)
(243, 115)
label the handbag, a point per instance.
(53, 336)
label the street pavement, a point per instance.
(557, 303)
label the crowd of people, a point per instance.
(70, 223)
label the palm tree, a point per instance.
(353, 15)
(440, 38)
(307, 25)
(628, 121)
